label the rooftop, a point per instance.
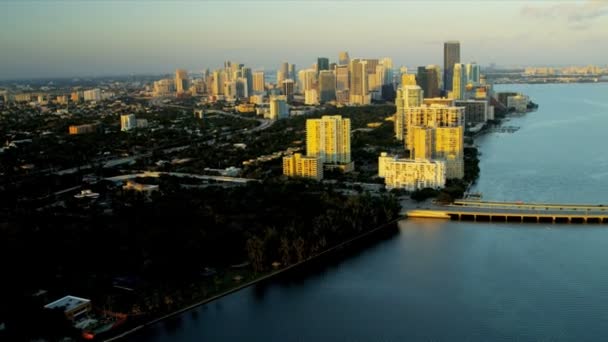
(67, 303)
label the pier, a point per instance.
(491, 211)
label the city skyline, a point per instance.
(71, 39)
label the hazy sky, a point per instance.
(70, 38)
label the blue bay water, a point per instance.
(457, 281)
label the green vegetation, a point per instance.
(170, 244)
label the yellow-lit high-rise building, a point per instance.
(181, 81)
(449, 147)
(297, 165)
(408, 80)
(407, 96)
(459, 81)
(329, 139)
(423, 142)
(258, 81)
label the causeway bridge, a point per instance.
(491, 211)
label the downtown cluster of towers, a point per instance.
(432, 107)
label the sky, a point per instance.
(69, 38)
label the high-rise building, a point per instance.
(451, 56)
(298, 165)
(358, 90)
(322, 63)
(329, 139)
(181, 81)
(279, 109)
(343, 58)
(449, 147)
(423, 142)
(281, 76)
(291, 71)
(475, 111)
(258, 82)
(288, 89)
(242, 90)
(459, 81)
(408, 80)
(473, 74)
(342, 77)
(327, 86)
(163, 87)
(411, 174)
(427, 80)
(248, 76)
(128, 122)
(407, 96)
(308, 79)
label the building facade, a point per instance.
(298, 165)
(329, 139)
(411, 174)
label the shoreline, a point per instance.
(253, 282)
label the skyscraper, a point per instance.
(128, 122)
(451, 56)
(459, 81)
(407, 96)
(322, 63)
(427, 80)
(473, 75)
(181, 81)
(329, 139)
(308, 79)
(278, 107)
(288, 89)
(258, 81)
(343, 58)
(291, 71)
(358, 89)
(248, 76)
(342, 77)
(327, 86)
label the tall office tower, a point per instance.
(451, 56)
(297, 165)
(278, 107)
(285, 70)
(308, 79)
(327, 86)
(459, 81)
(258, 81)
(438, 75)
(248, 76)
(322, 63)
(280, 77)
(343, 58)
(387, 62)
(423, 142)
(219, 79)
(128, 122)
(427, 80)
(473, 75)
(242, 90)
(288, 89)
(410, 174)
(407, 96)
(329, 139)
(181, 81)
(342, 82)
(358, 90)
(291, 71)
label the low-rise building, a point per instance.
(298, 165)
(518, 102)
(73, 307)
(411, 174)
(81, 129)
